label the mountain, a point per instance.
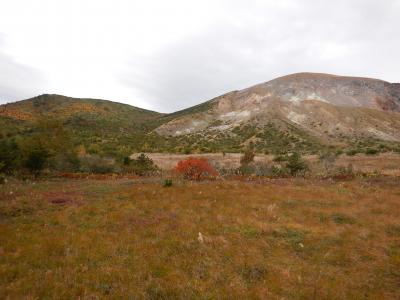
(302, 111)
(307, 112)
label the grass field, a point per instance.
(135, 239)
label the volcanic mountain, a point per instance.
(297, 109)
(304, 112)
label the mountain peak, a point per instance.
(333, 89)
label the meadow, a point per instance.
(288, 238)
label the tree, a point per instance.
(247, 157)
(36, 159)
(9, 155)
(296, 165)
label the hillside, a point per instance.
(97, 124)
(306, 112)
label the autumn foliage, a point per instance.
(195, 169)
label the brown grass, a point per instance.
(385, 163)
(270, 239)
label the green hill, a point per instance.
(100, 125)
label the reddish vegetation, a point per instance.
(195, 169)
(63, 198)
(15, 113)
(81, 107)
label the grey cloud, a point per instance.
(17, 81)
(263, 41)
(248, 43)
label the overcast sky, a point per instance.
(169, 55)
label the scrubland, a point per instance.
(287, 238)
(383, 163)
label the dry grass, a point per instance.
(385, 163)
(275, 239)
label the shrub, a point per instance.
(339, 152)
(371, 151)
(126, 161)
(352, 152)
(280, 158)
(9, 154)
(36, 159)
(96, 164)
(2, 179)
(279, 171)
(247, 157)
(247, 169)
(195, 169)
(256, 168)
(296, 165)
(328, 159)
(143, 165)
(167, 182)
(343, 172)
(66, 162)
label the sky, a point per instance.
(170, 55)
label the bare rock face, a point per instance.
(336, 90)
(321, 104)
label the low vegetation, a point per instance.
(142, 166)
(268, 239)
(81, 217)
(195, 169)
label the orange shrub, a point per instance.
(195, 169)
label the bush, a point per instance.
(247, 157)
(96, 164)
(257, 169)
(343, 172)
(371, 151)
(66, 162)
(167, 182)
(9, 155)
(280, 158)
(352, 152)
(126, 161)
(36, 159)
(247, 169)
(296, 165)
(2, 179)
(328, 159)
(142, 165)
(195, 169)
(280, 171)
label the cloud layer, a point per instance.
(168, 55)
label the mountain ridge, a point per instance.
(305, 110)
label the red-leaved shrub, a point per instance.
(195, 169)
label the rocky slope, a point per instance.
(328, 108)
